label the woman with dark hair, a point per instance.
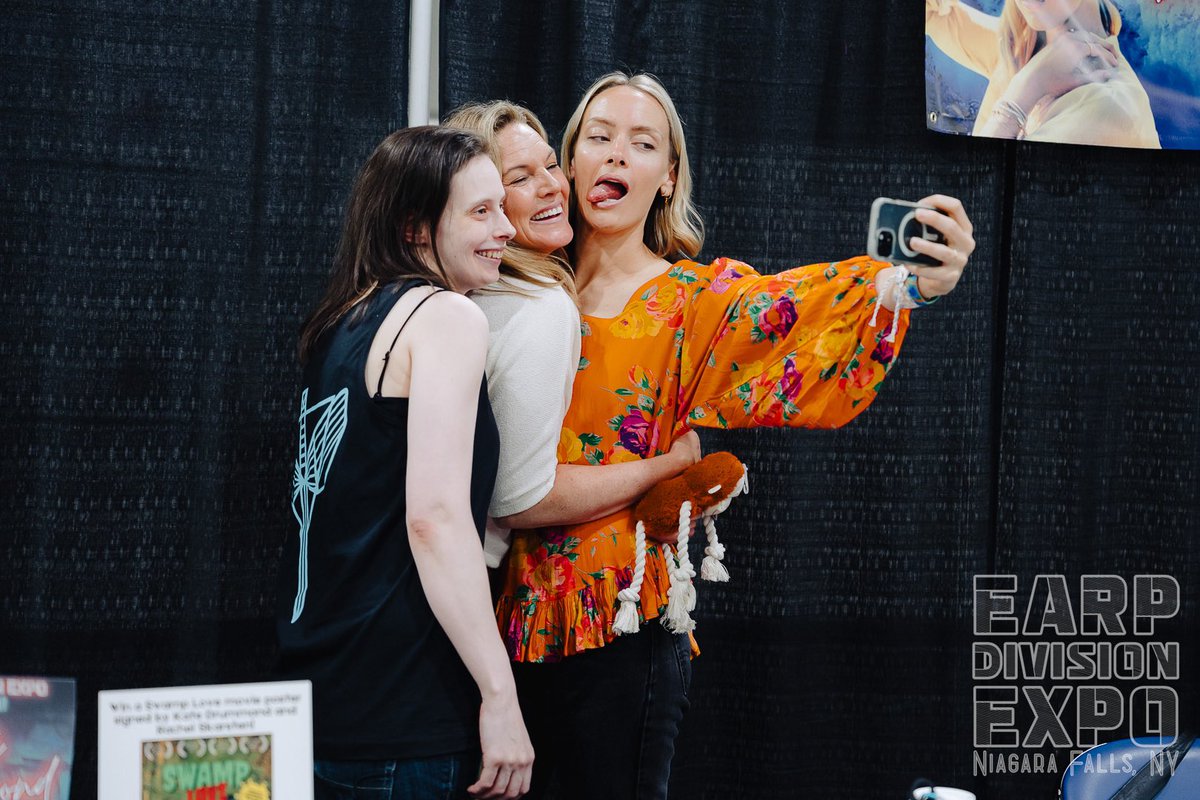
(1055, 71)
(384, 602)
(669, 345)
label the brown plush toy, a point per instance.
(666, 515)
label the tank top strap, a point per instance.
(388, 355)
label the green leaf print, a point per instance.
(828, 372)
(594, 457)
(623, 392)
(615, 422)
(646, 403)
(681, 274)
(590, 439)
(583, 364)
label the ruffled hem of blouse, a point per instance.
(581, 628)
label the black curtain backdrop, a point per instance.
(173, 184)
(174, 179)
(1041, 420)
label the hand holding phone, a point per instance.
(893, 224)
(944, 238)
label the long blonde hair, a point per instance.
(673, 226)
(487, 120)
(1019, 42)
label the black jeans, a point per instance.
(437, 778)
(604, 722)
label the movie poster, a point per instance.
(207, 769)
(37, 737)
(249, 741)
(1116, 73)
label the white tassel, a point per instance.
(897, 303)
(898, 296)
(626, 620)
(682, 593)
(711, 568)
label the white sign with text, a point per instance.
(249, 741)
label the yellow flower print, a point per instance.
(835, 343)
(634, 324)
(620, 455)
(570, 448)
(686, 368)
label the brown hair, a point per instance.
(402, 188)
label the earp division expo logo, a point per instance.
(1070, 674)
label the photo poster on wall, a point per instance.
(37, 737)
(1117, 73)
(250, 741)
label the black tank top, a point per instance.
(352, 616)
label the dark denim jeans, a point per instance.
(604, 722)
(438, 778)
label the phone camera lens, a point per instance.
(885, 242)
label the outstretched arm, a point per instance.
(447, 340)
(806, 347)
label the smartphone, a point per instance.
(893, 223)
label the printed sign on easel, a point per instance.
(228, 742)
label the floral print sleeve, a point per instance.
(801, 348)
(700, 345)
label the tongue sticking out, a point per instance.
(605, 191)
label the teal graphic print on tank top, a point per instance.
(312, 469)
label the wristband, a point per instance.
(914, 297)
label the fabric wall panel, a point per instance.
(174, 188)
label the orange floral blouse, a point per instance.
(715, 346)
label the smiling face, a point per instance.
(1044, 15)
(621, 160)
(473, 231)
(536, 192)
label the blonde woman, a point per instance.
(668, 345)
(1055, 71)
(533, 348)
